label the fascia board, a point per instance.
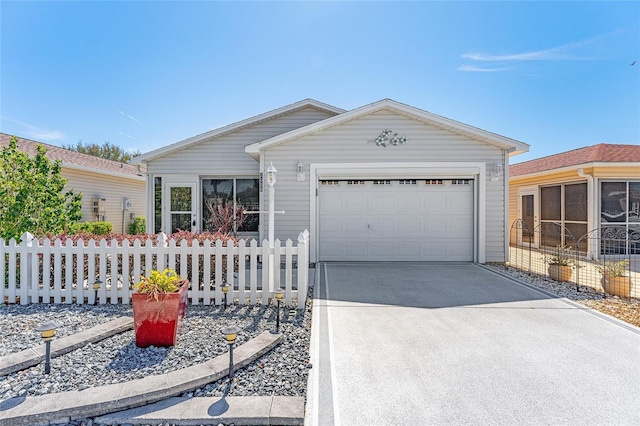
(573, 167)
(233, 127)
(93, 170)
(436, 120)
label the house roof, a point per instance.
(235, 127)
(513, 146)
(601, 153)
(75, 160)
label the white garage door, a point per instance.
(395, 220)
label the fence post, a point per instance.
(3, 262)
(25, 267)
(162, 244)
(303, 267)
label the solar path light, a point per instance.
(230, 333)
(279, 295)
(96, 286)
(225, 290)
(47, 331)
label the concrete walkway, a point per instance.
(111, 398)
(433, 344)
(253, 411)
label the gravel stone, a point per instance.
(283, 371)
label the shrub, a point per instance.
(102, 228)
(138, 225)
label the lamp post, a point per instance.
(225, 290)
(47, 331)
(96, 287)
(279, 294)
(271, 180)
(230, 333)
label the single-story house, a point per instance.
(385, 181)
(112, 191)
(584, 189)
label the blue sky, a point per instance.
(142, 75)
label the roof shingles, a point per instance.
(601, 153)
(72, 158)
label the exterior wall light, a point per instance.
(47, 331)
(225, 290)
(230, 334)
(279, 295)
(300, 172)
(271, 175)
(96, 286)
(495, 175)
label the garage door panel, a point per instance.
(331, 205)
(396, 222)
(436, 227)
(382, 204)
(408, 250)
(381, 249)
(409, 225)
(356, 202)
(354, 250)
(433, 203)
(405, 202)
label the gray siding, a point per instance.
(225, 155)
(348, 142)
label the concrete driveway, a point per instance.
(440, 344)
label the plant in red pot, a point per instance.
(159, 302)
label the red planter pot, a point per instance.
(156, 322)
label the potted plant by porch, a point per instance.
(615, 277)
(561, 263)
(159, 302)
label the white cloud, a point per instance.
(36, 133)
(471, 68)
(565, 52)
(129, 136)
(130, 117)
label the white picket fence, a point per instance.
(53, 272)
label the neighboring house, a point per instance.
(112, 191)
(584, 189)
(385, 181)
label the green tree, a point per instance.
(107, 150)
(32, 194)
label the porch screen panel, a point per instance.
(613, 202)
(575, 201)
(634, 202)
(550, 203)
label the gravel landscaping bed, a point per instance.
(625, 309)
(283, 371)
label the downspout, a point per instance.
(505, 167)
(591, 213)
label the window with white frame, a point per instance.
(224, 199)
(565, 205)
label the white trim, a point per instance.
(529, 190)
(505, 201)
(93, 170)
(394, 170)
(511, 145)
(234, 127)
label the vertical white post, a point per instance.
(271, 180)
